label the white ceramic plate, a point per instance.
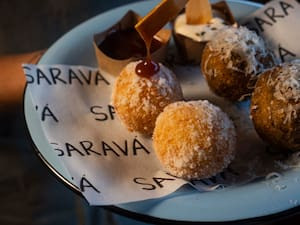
(253, 200)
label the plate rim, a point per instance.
(139, 216)
(143, 217)
(126, 212)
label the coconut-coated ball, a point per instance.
(194, 140)
(139, 100)
(232, 61)
(275, 106)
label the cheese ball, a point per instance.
(232, 61)
(194, 140)
(275, 106)
(139, 100)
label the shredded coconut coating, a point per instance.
(244, 43)
(287, 83)
(275, 106)
(139, 100)
(232, 61)
(194, 140)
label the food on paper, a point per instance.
(275, 106)
(232, 61)
(141, 92)
(194, 139)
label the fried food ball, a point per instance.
(139, 100)
(275, 106)
(194, 140)
(232, 60)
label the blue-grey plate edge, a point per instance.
(248, 201)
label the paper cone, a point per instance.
(113, 65)
(190, 51)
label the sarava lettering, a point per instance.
(86, 148)
(151, 184)
(284, 54)
(103, 114)
(272, 15)
(47, 113)
(53, 76)
(85, 183)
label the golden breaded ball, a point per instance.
(232, 60)
(194, 140)
(139, 100)
(275, 106)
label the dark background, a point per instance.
(29, 193)
(36, 24)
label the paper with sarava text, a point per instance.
(111, 165)
(278, 23)
(107, 163)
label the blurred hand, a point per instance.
(12, 79)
